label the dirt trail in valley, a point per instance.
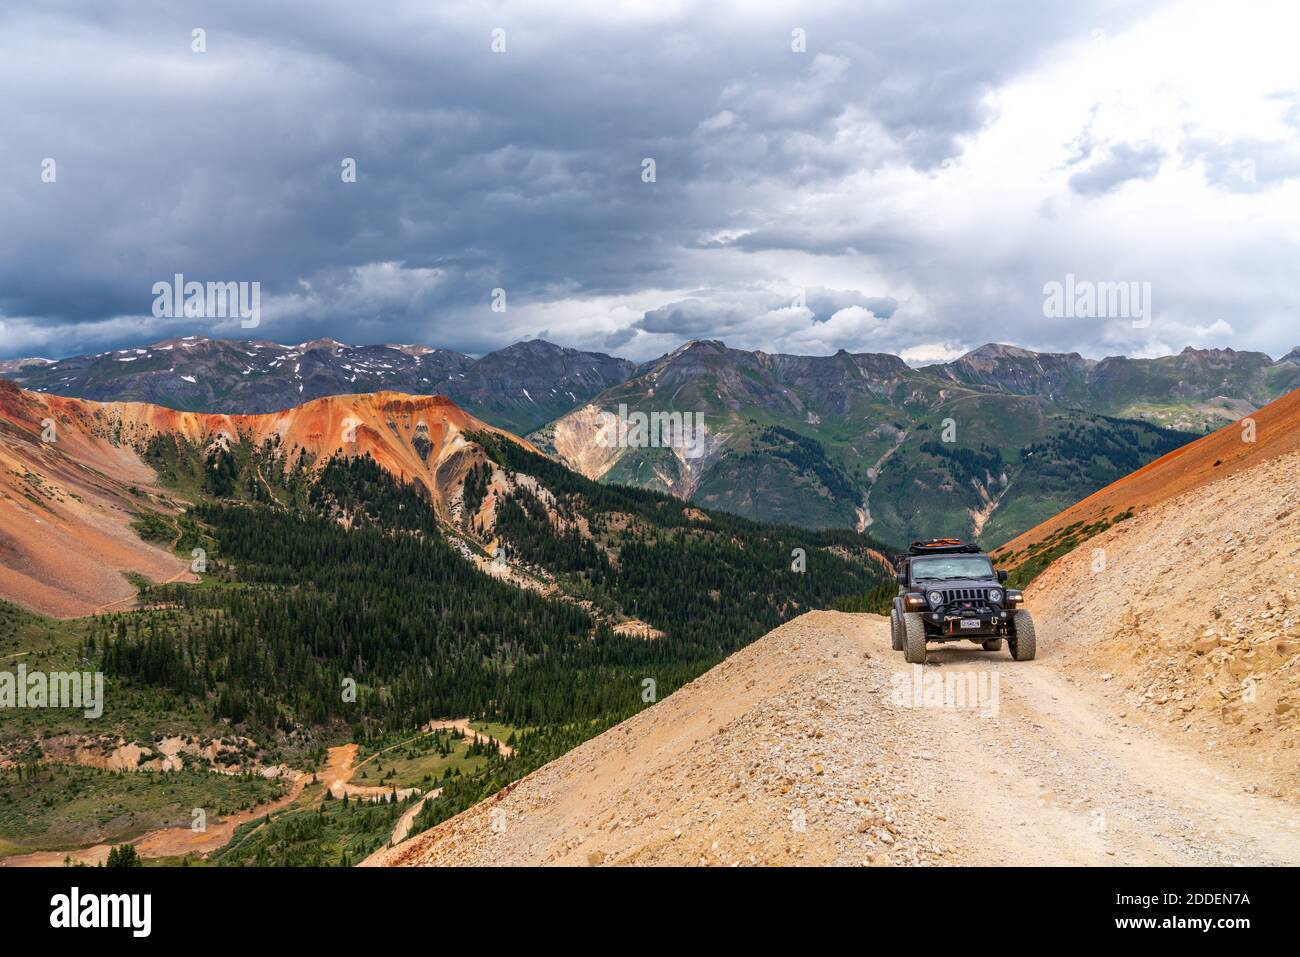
(341, 765)
(804, 748)
(402, 829)
(167, 841)
(337, 773)
(131, 600)
(462, 725)
(336, 776)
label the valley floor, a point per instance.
(804, 748)
(305, 790)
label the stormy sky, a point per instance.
(867, 176)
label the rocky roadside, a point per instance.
(788, 753)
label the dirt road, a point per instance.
(810, 747)
(1057, 778)
(341, 766)
(402, 829)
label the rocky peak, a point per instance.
(331, 345)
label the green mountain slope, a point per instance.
(1198, 390)
(864, 441)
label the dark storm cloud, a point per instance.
(692, 318)
(520, 170)
(474, 170)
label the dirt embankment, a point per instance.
(230, 755)
(68, 496)
(1186, 618)
(761, 760)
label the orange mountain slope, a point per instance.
(66, 505)
(1212, 457)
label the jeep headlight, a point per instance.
(935, 598)
(995, 596)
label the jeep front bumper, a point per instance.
(956, 625)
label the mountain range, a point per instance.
(986, 445)
(518, 388)
(1195, 391)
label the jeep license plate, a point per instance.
(970, 623)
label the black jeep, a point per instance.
(949, 591)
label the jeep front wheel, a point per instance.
(895, 631)
(913, 639)
(1023, 640)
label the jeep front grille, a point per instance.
(965, 594)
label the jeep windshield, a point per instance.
(945, 567)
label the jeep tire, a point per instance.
(1023, 640)
(895, 631)
(913, 638)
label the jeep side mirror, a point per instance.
(902, 578)
(1002, 574)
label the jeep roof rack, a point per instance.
(941, 546)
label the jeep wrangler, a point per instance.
(949, 591)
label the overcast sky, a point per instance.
(908, 182)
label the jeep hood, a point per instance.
(930, 584)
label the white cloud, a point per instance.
(718, 121)
(929, 353)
